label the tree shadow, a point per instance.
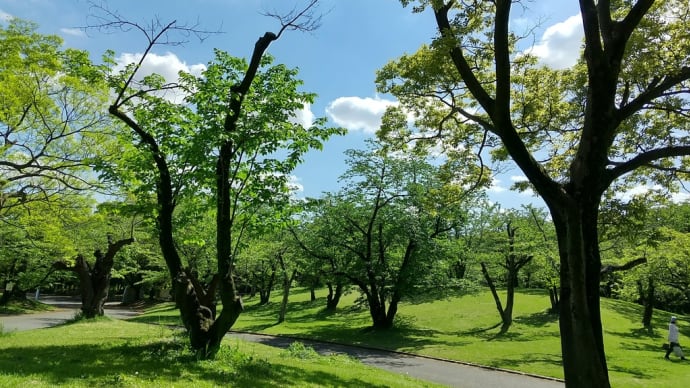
(519, 361)
(106, 366)
(538, 319)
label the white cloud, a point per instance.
(496, 186)
(73, 32)
(518, 178)
(560, 44)
(304, 116)
(358, 114)
(295, 185)
(167, 65)
(5, 17)
(641, 190)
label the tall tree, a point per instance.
(618, 116)
(225, 138)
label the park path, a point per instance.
(450, 373)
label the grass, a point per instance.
(25, 306)
(465, 328)
(116, 353)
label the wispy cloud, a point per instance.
(73, 32)
(5, 17)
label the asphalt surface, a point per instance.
(450, 373)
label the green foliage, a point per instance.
(52, 118)
(300, 351)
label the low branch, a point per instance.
(609, 268)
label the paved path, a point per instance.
(449, 373)
(67, 308)
(453, 374)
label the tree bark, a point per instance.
(287, 283)
(648, 302)
(334, 295)
(582, 343)
(94, 281)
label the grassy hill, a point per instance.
(466, 328)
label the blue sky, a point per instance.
(338, 61)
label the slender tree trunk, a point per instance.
(554, 299)
(287, 284)
(506, 321)
(648, 305)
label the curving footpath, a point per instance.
(450, 373)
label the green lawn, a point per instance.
(25, 306)
(465, 328)
(111, 353)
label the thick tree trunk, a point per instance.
(94, 282)
(584, 360)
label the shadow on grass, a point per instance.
(111, 365)
(636, 372)
(519, 362)
(538, 319)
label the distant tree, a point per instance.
(379, 231)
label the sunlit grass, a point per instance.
(126, 354)
(465, 328)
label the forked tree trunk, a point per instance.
(94, 281)
(506, 320)
(333, 297)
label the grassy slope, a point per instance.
(465, 328)
(117, 353)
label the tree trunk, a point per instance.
(506, 321)
(94, 282)
(582, 344)
(334, 295)
(648, 305)
(553, 298)
(287, 283)
(312, 294)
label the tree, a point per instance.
(227, 138)
(94, 279)
(52, 125)
(512, 261)
(618, 116)
(379, 231)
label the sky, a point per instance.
(338, 61)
